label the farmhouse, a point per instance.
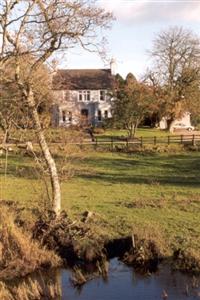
(183, 122)
(82, 95)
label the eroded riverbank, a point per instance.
(83, 249)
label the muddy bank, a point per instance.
(80, 246)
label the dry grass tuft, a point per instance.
(188, 260)
(4, 292)
(31, 289)
(19, 254)
(153, 233)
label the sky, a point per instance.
(136, 25)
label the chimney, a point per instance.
(113, 66)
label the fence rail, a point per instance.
(172, 139)
(113, 141)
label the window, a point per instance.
(84, 96)
(70, 116)
(88, 95)
(106, 114)
(80, 96)
(64, 116)
(102, 95)
(99, 115)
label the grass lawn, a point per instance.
(144, 132)
(63, 134)
(158, 194)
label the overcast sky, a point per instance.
(133, 31)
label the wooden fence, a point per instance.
(113, 142)
(167, 140)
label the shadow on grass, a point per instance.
(21, 171)
(181, 170)
(176, 169)
(139, 179)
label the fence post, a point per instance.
(141, 141)
(154, 140)
(193, 140)
(168, 139)
(127, 145)
(96, 143)
(181, 139)
(81, 145)
(112, 146)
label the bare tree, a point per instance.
(176, 71)
(40, 28)
(8, 107)
(13, 111)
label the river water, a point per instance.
(122, 283)
(125, 284)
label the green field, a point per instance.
(144, 132)
(154, 193)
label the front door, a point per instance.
(84, 116)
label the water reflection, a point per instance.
(122, 283)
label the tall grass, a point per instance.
(19, 254)
(31, 289)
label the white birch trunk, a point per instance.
(55, 184)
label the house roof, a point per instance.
(83, 79)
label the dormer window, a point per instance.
(102, 95)
(84, 96)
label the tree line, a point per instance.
(169, 89)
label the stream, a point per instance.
(122, 283)
(125, 284)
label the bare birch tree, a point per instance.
(176, 72)
(41, 28)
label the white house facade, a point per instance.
(185, 120)
(82, 95)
